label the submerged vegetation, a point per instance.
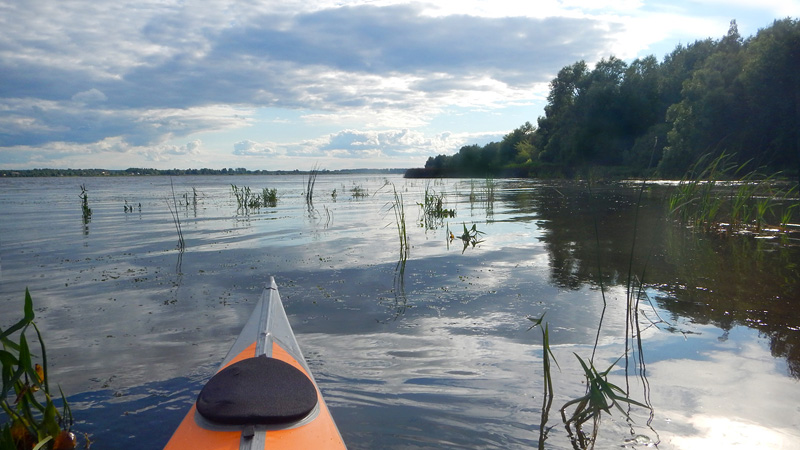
(32, 420)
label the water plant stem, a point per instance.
(175, 218)
(310, 181)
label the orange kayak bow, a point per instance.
(263, 396)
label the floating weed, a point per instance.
(32, 419)
(470, 236)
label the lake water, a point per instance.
(430, 352)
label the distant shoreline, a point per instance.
(24, 173)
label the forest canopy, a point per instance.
(732, 95)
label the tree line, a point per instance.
(732, 95)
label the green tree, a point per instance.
(770, 81)
(709, 113)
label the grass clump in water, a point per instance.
(246, 199)
(359, 192)
(433, 210)
(705, 199)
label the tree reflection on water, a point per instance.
(712, 279)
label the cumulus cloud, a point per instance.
(392, 145)
(91, 96)
(177, 59)
(39, 122)
(250, 148)
(167, 152)
(389, 143)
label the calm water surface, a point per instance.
(436, 355)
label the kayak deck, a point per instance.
(267, 334)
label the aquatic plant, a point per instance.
(400, 268)
(310, 182)
(175, 218)
(359, 192)
(548, 392)
(433, 210)
(129, 208)
(400, 222)
(601, 395)
(246, 199)
(86, 210)
(703, 199)
(269, 197)
(470, 236)
(472, 196)
(489, 187)
(33, 420)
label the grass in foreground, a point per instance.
(31, 420)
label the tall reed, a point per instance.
(548, 391)
(398, 208)
(400, 221)
(310, 182)
(704, 200)
(175, 218)
(85, 209)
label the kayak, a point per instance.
(263, 396)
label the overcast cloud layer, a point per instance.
(254, 84)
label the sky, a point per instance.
(269, 85)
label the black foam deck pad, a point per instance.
(257, 391)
